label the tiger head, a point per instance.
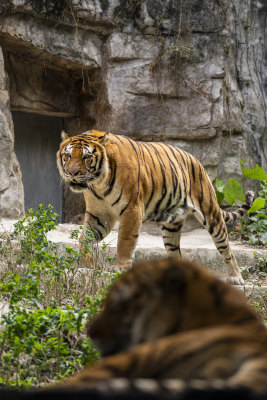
(82, 159)
(162, 297)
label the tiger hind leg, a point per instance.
(221, 241)
(171, 234)
(217, 228)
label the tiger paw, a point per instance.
(121, 266)
(235, 280)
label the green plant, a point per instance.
(257, 218)
(261, 261)
(50, 300)
(260, 307)
(254, 226)
(231, 192)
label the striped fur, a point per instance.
(135, 181)
(171, 319)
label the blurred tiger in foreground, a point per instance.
(172, 319)
(130, 182)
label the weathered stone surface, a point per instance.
(123, 47)
(150, 97)
(235, 148)
(35, 88)
(208, 152)
(70, 12)
(12, 199)
(2, 73)
(191, 74)
(63, 43)
(148, 119)
(251, 71)
(11, 189)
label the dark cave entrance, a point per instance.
(37, 139)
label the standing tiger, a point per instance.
(134, 181)
(171, 319)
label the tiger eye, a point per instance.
(66, 157)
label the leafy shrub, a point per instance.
(254, 227)
(257, 220)
(50, 300)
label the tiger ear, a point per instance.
(64, 136)
(103, 139)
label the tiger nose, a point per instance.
(74, 171)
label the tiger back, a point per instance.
(130, 182)
(171, 319)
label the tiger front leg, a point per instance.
(100, 226)
(115, 366)
(130, 224)
(251, 375)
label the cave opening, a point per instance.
(44, 99)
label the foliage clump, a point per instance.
(254, 224)
(48, 301)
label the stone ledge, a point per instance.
(82, 47)
(196, 245)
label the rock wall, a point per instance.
(191, 73)
(11, 188)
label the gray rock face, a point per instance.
(11, 188)
(189, 73)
